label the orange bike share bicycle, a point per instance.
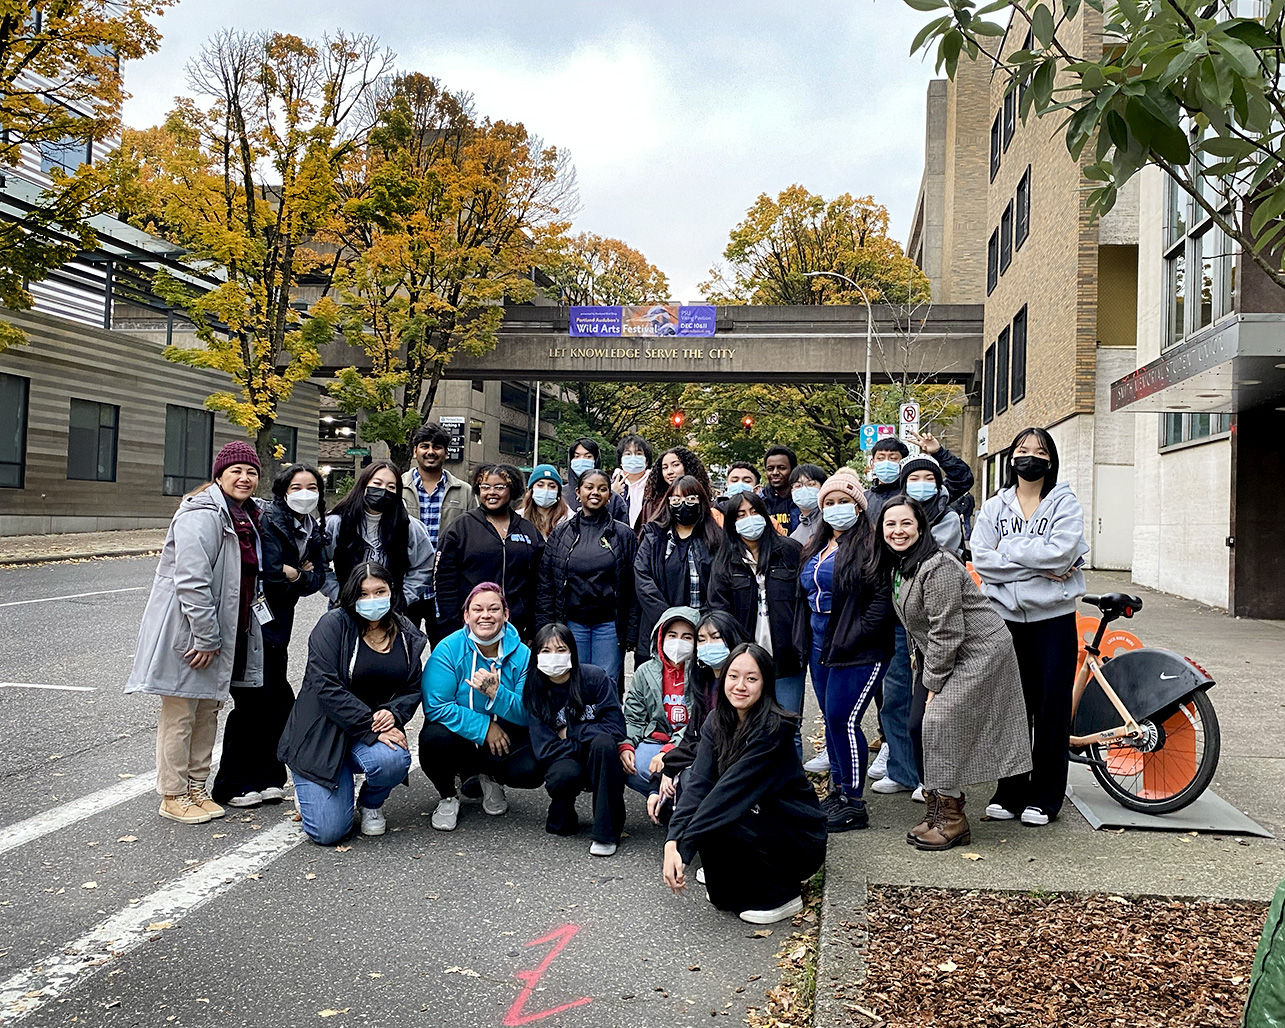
(1148, 731)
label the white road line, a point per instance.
(76, 596)
(23, 832)
(61, 688)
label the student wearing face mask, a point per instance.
(805, 486)
(585, 455)
(659, 701)
(675, 463)
(741, 478)
(922, 480)
(674, 556)
(294, 566)
(717, 634)
(849, 634)
(360, 689)
(544, 505)
(576, 731)
(633, 457)
(370, 525)
(885, 465)
(1028, 547)
(755, 577)
(586, 579)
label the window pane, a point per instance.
(1176, 220)
(1022, 227)
(189, 433)
(1170, 429)
(992, 262)
(82, 441)
(995, 147)
(1176, 288)
(1001, 372)
(988, 385)
(1203, 249)
(13, 430)
(1018, 373)
(107, 414)
(1010, 118)
(1006, 238)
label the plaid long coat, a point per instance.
(975, 729)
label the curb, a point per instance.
(841, 949)
(49, 558)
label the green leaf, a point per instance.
(931, 29)
(948, 53)
(1270, 205)
(1117, 130)
(989, 28)
(926, 5)
(1070, 8)
(1221, 146)
(1242, 58)
(1252, 34)
(1042, 24)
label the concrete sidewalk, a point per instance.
(1247, 661)
(34, 549)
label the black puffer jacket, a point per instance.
(280, 532)
(733, 588)
(473, 552)
(557, 568)
(660, 582)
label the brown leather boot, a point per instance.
(916, 833)
(949, 827)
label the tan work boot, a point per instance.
(201, 799)
(916, 833)
(949, 826)
(183, 810)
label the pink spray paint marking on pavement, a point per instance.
(516, 1014)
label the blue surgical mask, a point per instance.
(582, 464)
(477, 640)
(736, 488)
(713, 654)
(751, 526)
(887, 470)
(632, 463)
(374, 608)
(544, 495)
(840, 515)
(805, 497)
(921, 490)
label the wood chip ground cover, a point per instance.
(968, 960)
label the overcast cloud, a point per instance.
(677, 114)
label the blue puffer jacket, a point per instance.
(450, 701)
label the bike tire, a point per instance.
(1160, 783)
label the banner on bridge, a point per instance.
(661, 319)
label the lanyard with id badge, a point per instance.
(262, 612)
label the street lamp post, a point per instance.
(865, 416)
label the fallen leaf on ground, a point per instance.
(89, 885)
(125, 775)
(309, 877)
(160, 926)
(972, 856)
(342, 849)
(128, 838)
(763, 933)
(468, 972)
(332, 1013)
(948, 965)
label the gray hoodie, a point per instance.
(1014, 557)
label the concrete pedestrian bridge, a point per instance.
(941, 344)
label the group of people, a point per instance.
(504, 608)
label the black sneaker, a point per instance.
(846, 816)
(831, 801)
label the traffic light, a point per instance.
(747, 422)
(677, 418)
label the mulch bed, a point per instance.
(967, 960)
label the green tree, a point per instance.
(1178, 84)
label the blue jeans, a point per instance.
(598, 645)
(848, 693)
(895, 715)
(327, 813)
(640, 780)
(789, 694)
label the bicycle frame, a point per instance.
(1091, 668)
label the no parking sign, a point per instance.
(908, 421)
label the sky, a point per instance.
(677, 114)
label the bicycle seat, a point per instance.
(1115, 605)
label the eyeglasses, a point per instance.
(484, 488)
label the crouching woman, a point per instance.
(746, 806)
(360, 688)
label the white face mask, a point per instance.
(677, 650)
(545, 496)
(632, 463)
(553, 664)
(302, 501)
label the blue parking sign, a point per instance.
(869, 433)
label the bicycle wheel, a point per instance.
(1175, 765)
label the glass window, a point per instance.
(1192, 428)
(1224, 277)
(189, 449)
(1176, 218)
(479, 385)
(1176, 288)
(1203, 250)
(1006, 238)
(992, 262)
(514, 441)
(988, 385)
(288, 439)
(996, 147)
(1170, 429)
(1001, 372)
(13, 430)
(1018, 373)
(65, 154)
(1010, 117)
(1022, 218)
(516, 395)
(91, 441)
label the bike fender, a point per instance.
(1147, 680)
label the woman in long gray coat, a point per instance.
(968, 718)
(201, 630)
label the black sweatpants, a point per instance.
(253, 730)
(918, 704)
(596, 768)
(1046, 655)
(751, 866)
(444, 756)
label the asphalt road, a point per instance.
(111, 916)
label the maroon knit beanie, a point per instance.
(235, 452)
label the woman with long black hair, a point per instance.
(576, 728)
(370, 525)
(675, 463)
(746, 807)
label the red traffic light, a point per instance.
(677, 419)
(747, 422)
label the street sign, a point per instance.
(358, 451)
(870, 434)
(454, 429)
(983, 440)
(908, 422)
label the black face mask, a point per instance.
(686, 513)
(1032, 469)
(379, 499)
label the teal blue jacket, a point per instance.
(450, 701)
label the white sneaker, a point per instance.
(818, 765)
(602, 849)
(787, 909)
(446, 814)
(879, 768)
(372, 821)
(917, 795)
(246, 799)
(700, 874)
(997, 813)
(888, 785)
(273, 794)
(1034, 817)
(494, 802)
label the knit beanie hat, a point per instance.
(236, 452)
(844, 481)
(544, 471)
(921, 462)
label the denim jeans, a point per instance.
(789, 694)
(327, 813)
(895, 715)
(640, 780)
(598, 645)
